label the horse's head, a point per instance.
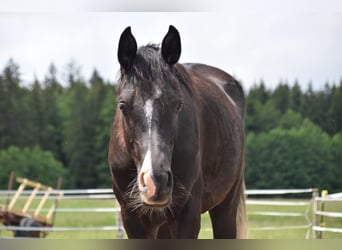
(149, 103)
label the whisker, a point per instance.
(134, 203)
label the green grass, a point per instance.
(100, 219)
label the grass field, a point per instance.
(99, 219)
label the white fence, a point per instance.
(253, 198)
(267, 199)
(319, 214)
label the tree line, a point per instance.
(294, 137)
(47, 130)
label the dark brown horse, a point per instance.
(177, 144)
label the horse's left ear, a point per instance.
(171, 46)
(127, 49)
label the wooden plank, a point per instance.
(31, 183)
(42, 201)
(17, 194)
(20, 214)
(53, 207)
(31, 197)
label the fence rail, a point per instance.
(91, 194)
(278, 191)
(271, 193)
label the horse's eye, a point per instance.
(179, 106)
(122, 105)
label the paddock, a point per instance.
(292, 213)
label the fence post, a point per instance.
(321, 222)
(314, 209)
(9, 188)
(121, 232)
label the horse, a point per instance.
(176, 148)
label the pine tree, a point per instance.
(296, 97)
(77, 142)
(52, 136)
(281, 97)
(13, 112)
(36, 119)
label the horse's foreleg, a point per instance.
(188, 223)
(133, 226)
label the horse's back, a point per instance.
(222, 105)
(229, 84)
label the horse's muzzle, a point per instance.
(156, 189)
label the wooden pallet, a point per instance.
(11, 215)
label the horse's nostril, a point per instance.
(141, 180)
(169, 179)
(144, 189)
(142, 184)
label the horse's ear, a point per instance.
(171, 46)
(127, 49)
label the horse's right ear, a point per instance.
(127, 49)
(171, 46)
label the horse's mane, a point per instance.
(149, 67)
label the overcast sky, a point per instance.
(251, 46)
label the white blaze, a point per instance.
(147, 163)
(148, 110)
